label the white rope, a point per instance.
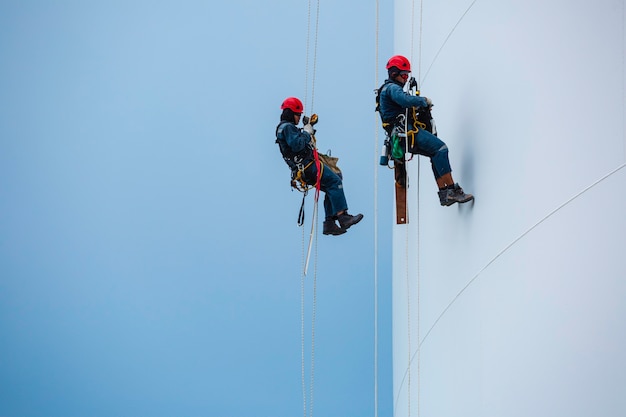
(317, 19)
(306, 63)
(417, 354)
(504, 250)
(406, 260)
(412, 27)
(419, 55)
(302, 321)
(408, 313)
(376, 168)
(446, 40)
(419, 380)
(418, 287)
(313, 235)
(314, 309)
(624, 75)
(407, 255)
(546, 217)
(408, 374)
(302, 329)
(306, 78)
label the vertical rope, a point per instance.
(314, 307)
(406, 262)
(412, 27)
(376, 168)
(302, 298)
(419, 169)
(302, 292)
(308, 42)
(419, 55)
(314, 220)
(418, 281)
(408, 310)
(447, 38)
(317, 20)
(313, 328)
(306, 58)
(408, 281)
(624, 77)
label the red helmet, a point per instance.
(399, 62)
(292, 103)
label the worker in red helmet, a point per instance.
(296, 146)
(393, 104)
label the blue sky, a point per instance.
(150, 261)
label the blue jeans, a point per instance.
(431, 146)
(332, 186)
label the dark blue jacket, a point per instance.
(394, 100)
(294, 143)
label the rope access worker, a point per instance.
(297, 145)
(393, 104)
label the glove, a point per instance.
(309, 129)
(312, 120)
(429, 102)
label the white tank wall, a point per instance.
(519, 300)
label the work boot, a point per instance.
(331, 228)
(346, 220)
(454, 194)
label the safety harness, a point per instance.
(299, 162)
(396, 129)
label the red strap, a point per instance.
(318, 184)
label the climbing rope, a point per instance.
(302, 321)
(510, 245)
(376, 141)
(417, 223)
(313, 234)
(406, 255)
(506, 249)
(319, 167)
(419, 74)
(419, 60)
(448, 37)
(416, 356)
(622, 166)
(308, 39)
